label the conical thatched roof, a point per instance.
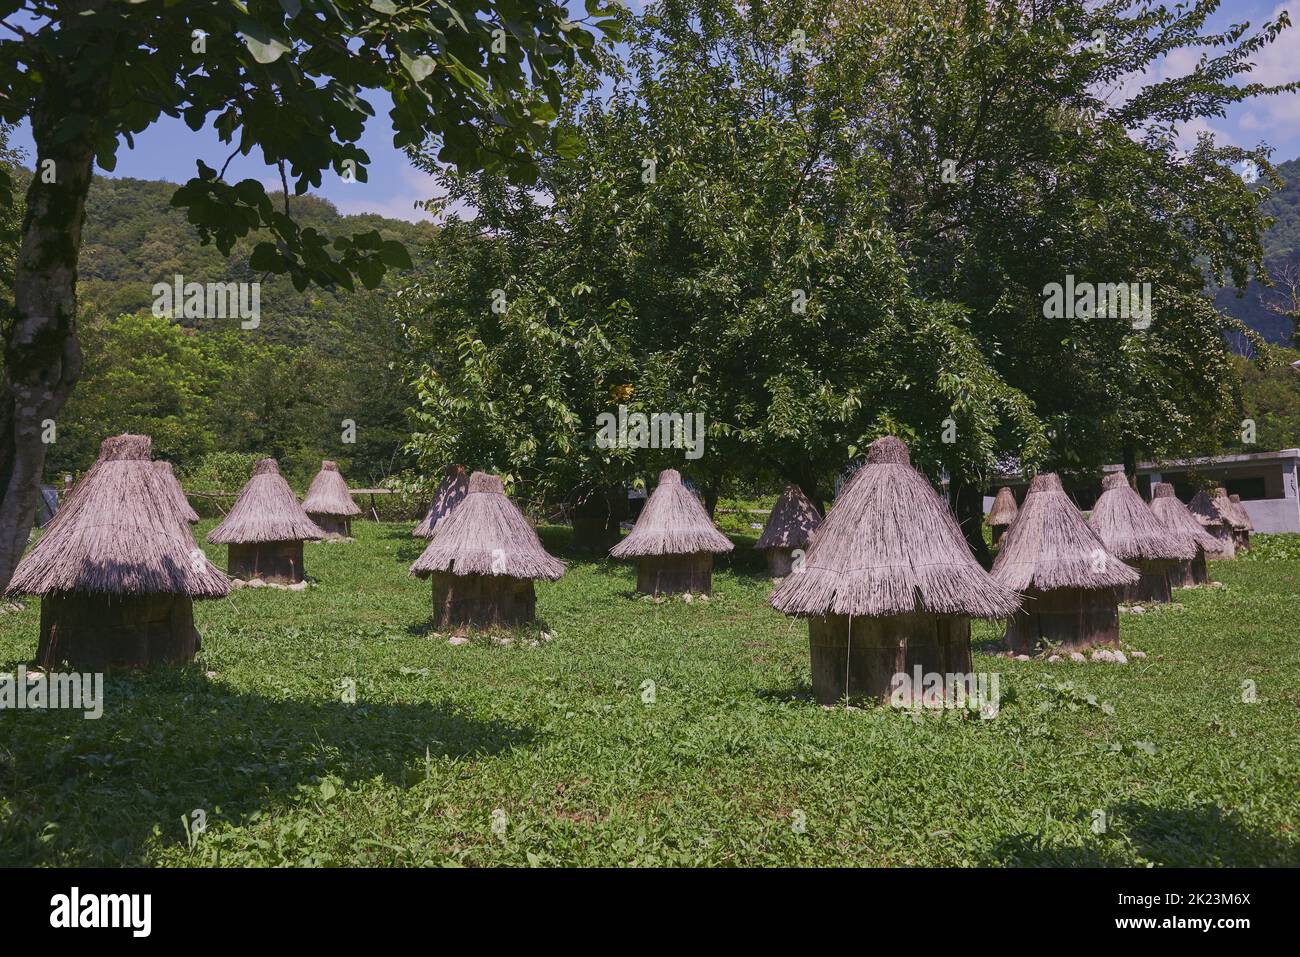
(1175, 516)
(266, 511)
(178, 498)
(792, 521)
(1243, 516)
(890, 546)
(1051, 546)
(672, 522)
(1130, 530)
(1003, 512)
(1230, 512)
(328, 493)
(1206, 510)
(119, 535)
(454, 486)
(487, 535)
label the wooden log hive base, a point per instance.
(335, 526)
(675, 574)
(859, 657)
(465, 603)
(780, 562)
(1072, 618)
(278, 562)
(1190, 573)
(102, 632)
(1153, 586)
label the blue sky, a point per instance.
(169, 149)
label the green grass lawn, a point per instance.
(558, 753)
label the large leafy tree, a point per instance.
(1029, 143)
(716, 244)
(287, 78)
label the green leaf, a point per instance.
(264, 47)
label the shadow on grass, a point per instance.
(82, 792)
(1199, 836)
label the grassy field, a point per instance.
(561, 751)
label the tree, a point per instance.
(143, 374)
(717, 245)
(1025, 148)
(283, 76)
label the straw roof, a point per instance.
(454, 486)
(890, 546)
(266, 511)
(177, 493)
(328, 493)
(1174, 515)
(1051, 546)
(792, 521)
(487, 535)
(672, 522)
(1231, 513)
(119, 535)
(1242, 514)
(1130, 530)
(1206, 510)
(1004, 509)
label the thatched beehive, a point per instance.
(1242, 526)
(1069, 580)
(118, 573)
(181, 503)
(1132, 533)
(673, 541)
(482, 560)
(328, 503)
(452, 489)
(1002, 514)
(1175, 516)
(265, 529)
(888, 583)
(788, 528)
(1206, 511)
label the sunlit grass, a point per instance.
(724, 759)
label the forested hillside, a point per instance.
(1282, 248)
(200, 386)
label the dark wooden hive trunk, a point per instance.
(1073, 618)
(780, 561)
(335, 526)
(1153, 586)
(859, 657)
(1241, 539)
(998, 532)
(674, 574)
(1227, 540)
(101, 632)
(1190, 573)
(464, 603)
(278, 562)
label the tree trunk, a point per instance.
(1130, 460)
(42, 358)
(711, 496)
(967, 502)
(806, 478)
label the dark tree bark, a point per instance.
(806, 478)
(42, 357)
(711, 489)
(1130, 460)
(967, 502)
